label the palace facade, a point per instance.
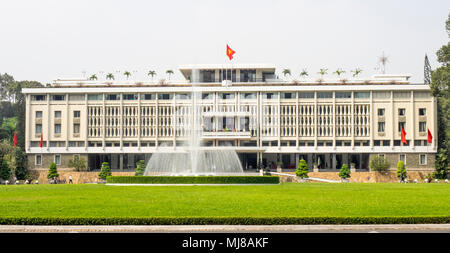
(267, 120)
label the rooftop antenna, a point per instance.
(427, 71)
(383, 60)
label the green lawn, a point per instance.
(284, 200)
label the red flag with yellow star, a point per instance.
(230, 52)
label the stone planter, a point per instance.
(279, 168)
(301, 180)
(316, 169)
(352, 168)
(345, 180)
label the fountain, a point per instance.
(195, 159)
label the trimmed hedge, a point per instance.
(193, 180)
(222, 220)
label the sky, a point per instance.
(48, 39)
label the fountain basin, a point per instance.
(193, 180)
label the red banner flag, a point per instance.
(15, 138)
(42, 141)
(230, 52)
(404, 136)
(430, 137)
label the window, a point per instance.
(58, 159)
(386, 143)
(423, 159)
(381, 112)
(248, 95)
(58, 97)
(403, 158)
(183, 96)
(376, 143)
(130, 97)
(92, 97)
(226, 95)
(402, 94)
(382, 94)
(324, 94)
(57, 128)
(57, 114)
(401, 112)
(418, 143)
(112, 97)
(422, 111)
(306, 95)
(76, 114)
(207, 96)
(38, 97)
(76, 128)
(76, 97)
(38, 128)
(362, 94)
(400, 126)
(148, 96)
(343, 95)
(38, 160)
(270, 95)
(38, 114)
(288, 95)
(165, 96)
(422, 126)
(380, 127)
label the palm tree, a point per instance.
(128, 74)
(356, 72)
(303, 73)
(110, 76)
(339, 72)
(169, 72)
(286, 72)
(323, 72)
(93, 77)
(152, 73)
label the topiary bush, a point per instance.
(302, 169)
(344, 173)
(140, 168)
(401, 170)
(105, 171)
(379, 164)
(52, 171)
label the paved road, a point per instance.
(402, 228)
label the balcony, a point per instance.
(224, 134)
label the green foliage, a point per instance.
(140, 168)
(302, 169)
(20, 164)
(193, 180)
(5, 171)
(401, 170)
(379, 164)
(344, 173)
(105, 171)
(79, 164)
(52, 171)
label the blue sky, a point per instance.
(46, 39)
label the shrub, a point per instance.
(79, 164)
(140, 168)
(302, 169)
(52, 171)
(20, 164)
(344, 173)
(5, 171)
(378, 163)
(401, 171)
(105, 171)
(193, 180)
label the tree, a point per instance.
(302, 169)
(344, 173)
(339, 72)
(105, 171)
(110, 76)
(152, 73)
(140, 168)
(356, 72)
(5, 171)
(20, 164)
(286, 72)
(127, 74)
(303, 73)
(79, 164)
(322, 72)
(52, 171)
(169, 72)
(401, 171)
(440, 89)
(379, 164)
(93, 77)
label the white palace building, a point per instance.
(247, 108)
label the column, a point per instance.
(371, 121)
(392, 120)
(413, 120)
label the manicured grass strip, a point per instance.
(223, 220)
(193, 180)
